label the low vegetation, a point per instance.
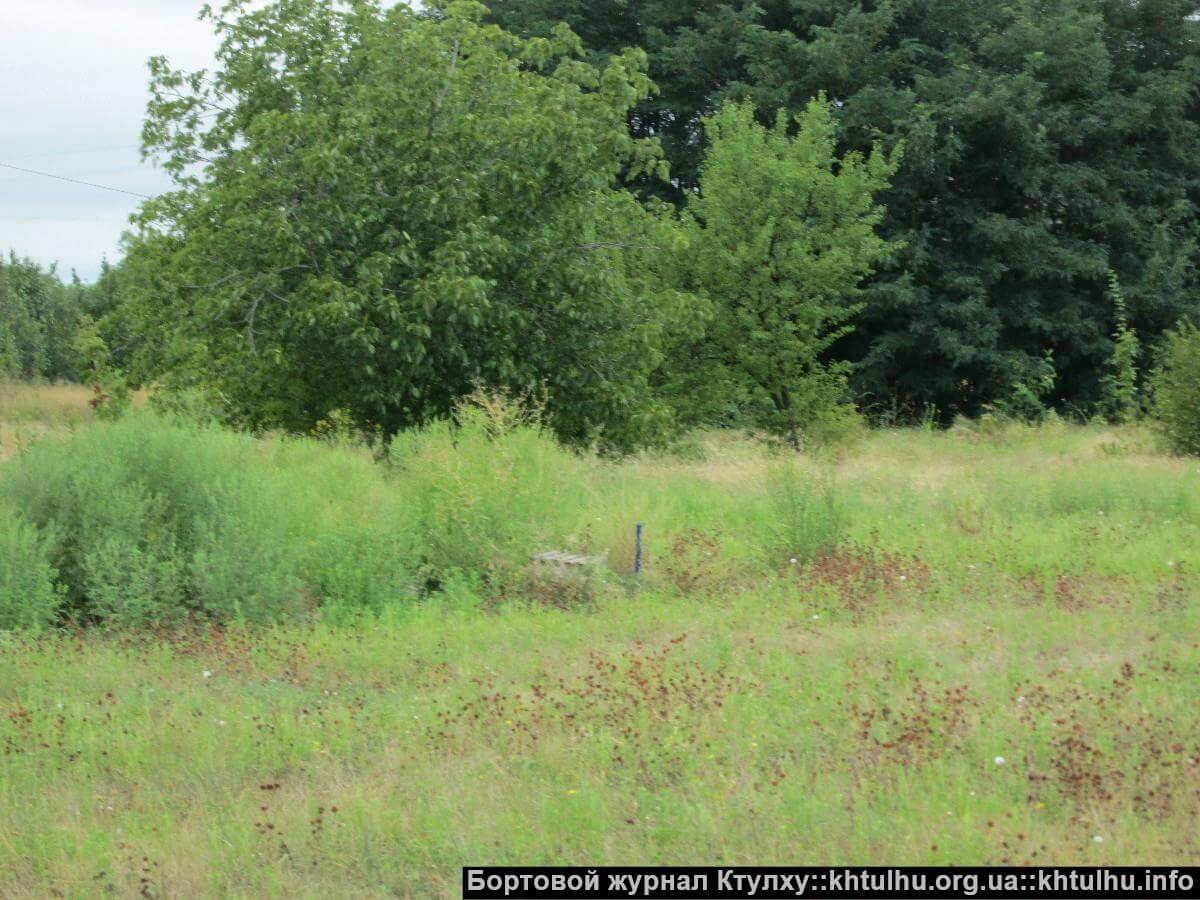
(153, 520)
(969, 646)
(1176, 383)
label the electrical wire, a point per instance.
(91, 184)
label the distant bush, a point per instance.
(834, 429)
(1175, 387)
(1031, 388)
(28, 596)
(186, 405)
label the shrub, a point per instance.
(1119, 386)
(152, 519)
(1031, 388)
(489, 488)
(29, 597)
(361, 566)
(1175, 387)
(190, 405)
(834, 429)
(157, 519)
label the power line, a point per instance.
(102, 187)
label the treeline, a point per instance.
(665, 214)
(55, 331)
(1046, 143)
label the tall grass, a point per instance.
(807, 517)
(152, 520)
(30, 412)
(488, 489)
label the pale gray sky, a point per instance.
(72, 94)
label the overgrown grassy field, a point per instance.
(30, 412)
(987, 650)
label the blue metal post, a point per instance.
(637, 551)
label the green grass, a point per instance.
(1025, 594)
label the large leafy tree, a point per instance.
(1047, 141)
(377, 210)
(697, 58)
(784, 232)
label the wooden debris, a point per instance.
(558, 558)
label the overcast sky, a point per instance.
(72, 94)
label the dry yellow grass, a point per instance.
(30, 412)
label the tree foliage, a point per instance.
(783, 232)
(1121, 400)
(376, 210)
(39, 317)
(1046, 142)
(1176, 389)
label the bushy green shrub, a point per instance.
(1032, 387)
(489, 488)
(834, 429)
(190, 405)
(29, 597)
(152, 519)
(1175, 388)
(156, 519)
(361, 566)
(354, 526)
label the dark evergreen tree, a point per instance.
(1046, 142)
